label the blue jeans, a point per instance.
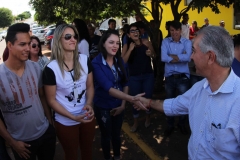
(110, 127)
(174, 87)
(139, 84)
(43, 148)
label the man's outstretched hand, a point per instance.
(141, 103)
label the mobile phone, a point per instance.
(112, 112)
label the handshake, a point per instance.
(141, 103)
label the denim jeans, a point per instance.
(43, 148)
(140, 84)
(3, 151)
(174, 87)
(110, 127)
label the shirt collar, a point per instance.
(105, 63)
(180, 41)
(226, 87)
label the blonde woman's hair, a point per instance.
(58, 51)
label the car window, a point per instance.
(41, 31)
(50, 32)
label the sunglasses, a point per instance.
(34, 45)
(69, 36)
(134, 31)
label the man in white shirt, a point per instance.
(185, 26)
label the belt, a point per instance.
(178, 75)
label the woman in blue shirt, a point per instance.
(111, 90)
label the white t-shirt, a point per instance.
(185, 30)
(83, 47)
(52, 75)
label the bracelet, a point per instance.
(149, 104)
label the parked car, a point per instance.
(49, 37)
(48, 27)
(41, 35)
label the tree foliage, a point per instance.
(89, 10)
(24, 15)
(199, 5)
(55, 10)
(6, 17)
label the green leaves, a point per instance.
(52, 11)
(6, 17)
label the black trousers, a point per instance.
(43, 148)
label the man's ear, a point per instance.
(212, 57)
(9, 45)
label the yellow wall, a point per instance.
(214, 19)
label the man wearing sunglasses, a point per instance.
(21, 95)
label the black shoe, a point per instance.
(168, 131)
(183, 129)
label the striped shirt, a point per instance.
(214, 118)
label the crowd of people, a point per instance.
(89, 79)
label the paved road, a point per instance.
(2, 47)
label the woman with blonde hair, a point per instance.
(68, 83)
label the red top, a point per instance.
(192, 32)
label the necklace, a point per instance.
(75, 92)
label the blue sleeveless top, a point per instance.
(139, 63)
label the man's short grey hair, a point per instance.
(217, 40)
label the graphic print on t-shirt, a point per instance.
(70, 96)
(19, 94)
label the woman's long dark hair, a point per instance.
(117, 59)
(129, 41)
(40, 47)
(82, 31)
